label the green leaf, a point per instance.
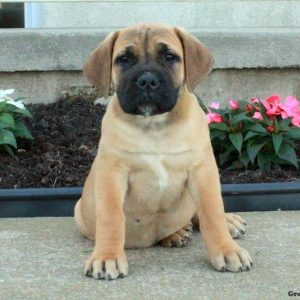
(236, 165)
(252, 151)
(237, 140)
(7, 121)
(244, 158)
(7, 137)
(288, 153)
(217, 134)
(224, 155)
(23, 112)
(294, 133)
(258, 128)
(264, 162)
(219, 126)
(241, 117)
(251, 134)
(8, 150)
(284, 124)
(22, 131)
(2, 105)
(277, 141)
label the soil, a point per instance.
(66, 135)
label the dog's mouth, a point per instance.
(146, 109)
(147, 92)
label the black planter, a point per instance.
(58, 202)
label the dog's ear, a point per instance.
(198, 60)
(99, 64)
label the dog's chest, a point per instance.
(157, 172)
(156, 184)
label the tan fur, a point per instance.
(101, 57)
(151, 175)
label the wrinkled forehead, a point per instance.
(147, 40)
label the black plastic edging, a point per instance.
(58, 202)
(39, 202)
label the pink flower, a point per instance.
(296, 121)
(214, 118)
(272, 105)
(234, 104)
(290, 108)
(215, 105)
(257, 115)
(254, 100)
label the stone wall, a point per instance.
(40, 64)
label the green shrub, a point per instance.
(256, 133)
(11, 125)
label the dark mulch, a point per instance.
(66, 138)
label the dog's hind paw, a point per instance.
(236, 225)
(180, 238)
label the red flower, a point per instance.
(270, 128)
(249, 107)
(272, 105)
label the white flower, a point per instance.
(4, 98)
(17, 104)
(4, 93)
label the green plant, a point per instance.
(256, 133)
(11, 125)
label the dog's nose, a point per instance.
(146, 80)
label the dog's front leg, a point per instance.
(205, 189)
(108, 260)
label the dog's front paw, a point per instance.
(106, 268)
(230, 257)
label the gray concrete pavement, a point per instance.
(42, 258)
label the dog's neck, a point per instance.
(154, 134)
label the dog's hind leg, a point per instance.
(236, 225)
(180, 238)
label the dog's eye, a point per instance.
(169, 57)
(123, 59)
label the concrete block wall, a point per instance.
(255, 43)
(189, 14)
(249, 62)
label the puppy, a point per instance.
(155, 166)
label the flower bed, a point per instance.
(66, 136)
(256, 134)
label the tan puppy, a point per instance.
(155, 166)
